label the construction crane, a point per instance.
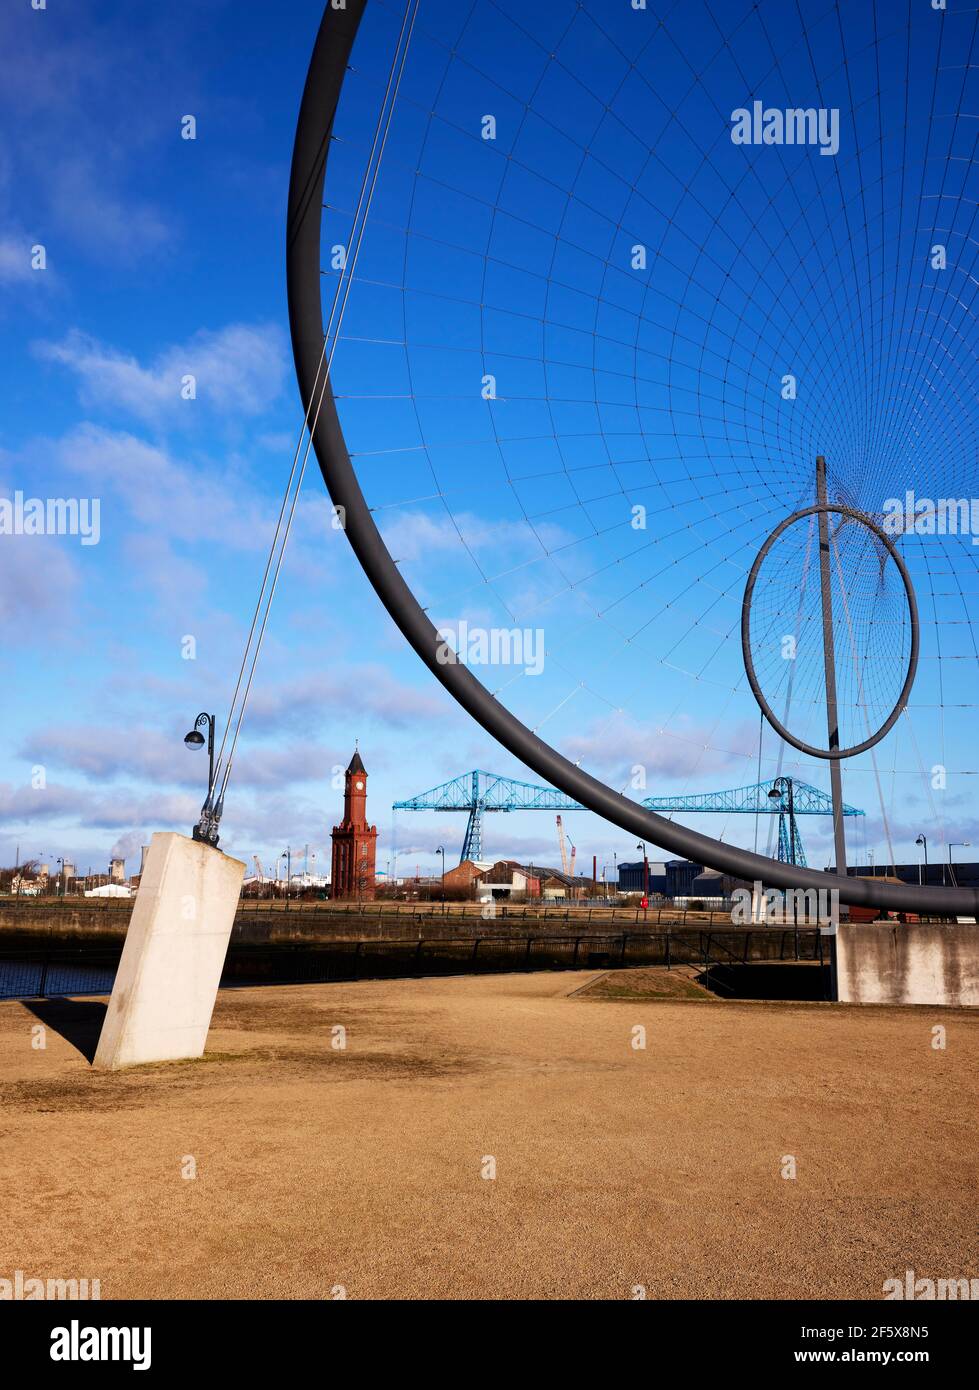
(259, 871)
(562, 846)
(479, 792)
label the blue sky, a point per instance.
(165, 258)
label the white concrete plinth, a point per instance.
(921, 963)
(168, 977)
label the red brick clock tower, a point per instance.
(354, 841)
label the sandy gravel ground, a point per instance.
(615, 1166)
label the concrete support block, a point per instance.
(917, 963)
(168, 977)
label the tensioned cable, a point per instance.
(877, 286)
(878, 93)
(584, 250)
(859, 681)
(308, 430)
(787, 707)
(549, 399)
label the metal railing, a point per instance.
(578, 913)
(593, 911)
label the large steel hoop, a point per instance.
(328, 64)
(749, 664)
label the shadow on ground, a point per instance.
(78, 1021)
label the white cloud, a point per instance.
(168, 509)
(165, 495)
(414, 535)
(111, 752)
(24, 804)
(61, 90)
(370, 690)
(237, 369)
(687, 748)
(15, 261)
(38, 579)
(101, 219)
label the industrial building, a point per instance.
(672, 878)
(509, 879)
(941, 875)
(465, 874)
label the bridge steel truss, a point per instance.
(478, 792)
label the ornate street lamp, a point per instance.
(923, 841)
(206, 829)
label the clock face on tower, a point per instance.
(360, 786)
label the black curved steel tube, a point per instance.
(331, 53)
